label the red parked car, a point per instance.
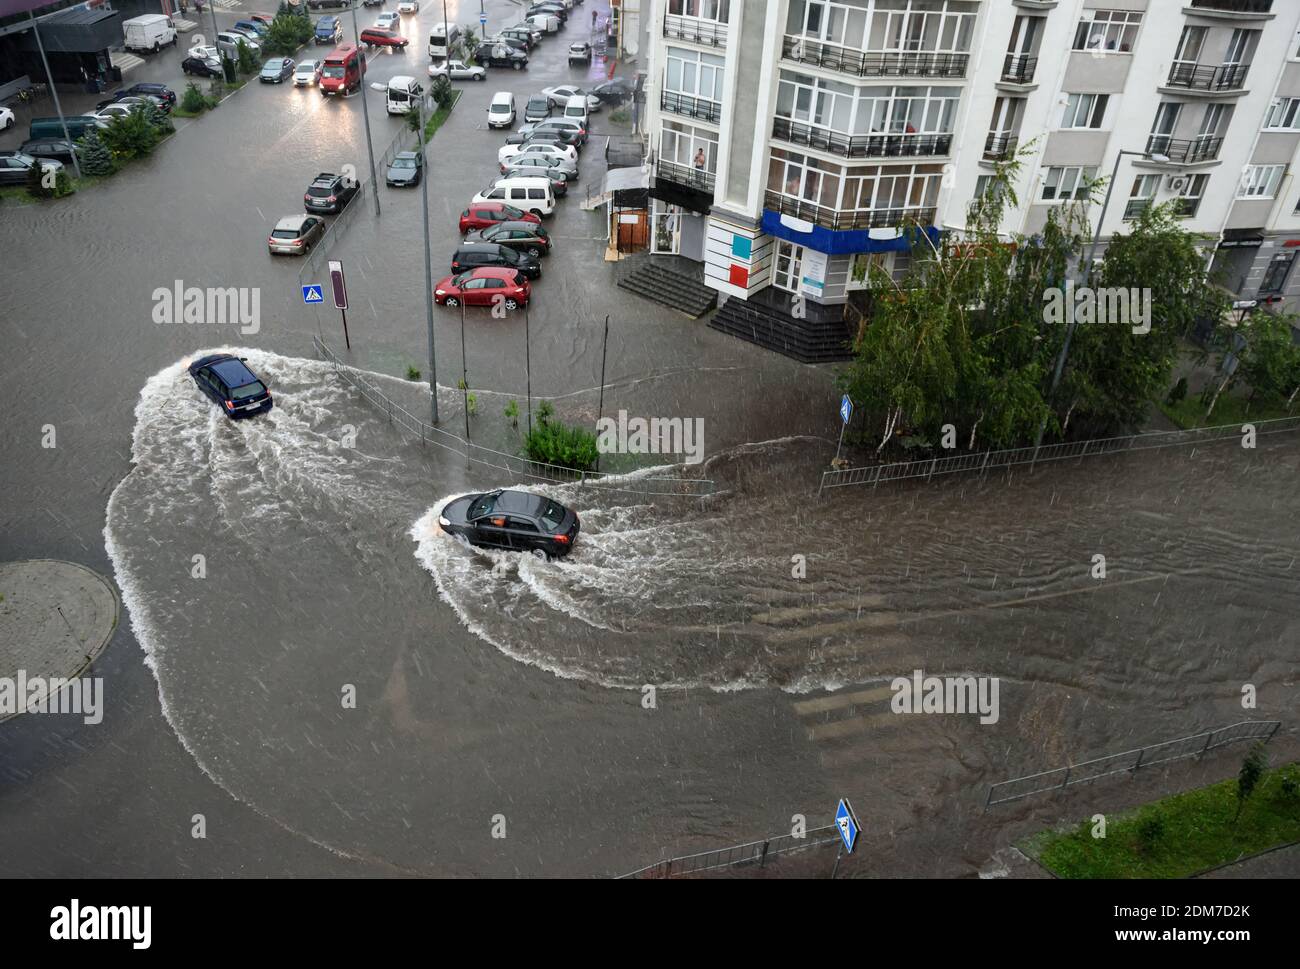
(481, 287)
(374, 37)
(481, 215)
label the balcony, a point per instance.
(859, 64)
(1234, 6)
(1185, 152)
(862, 146)
(1195, 77)
(691, 107)
(707, 32)
(1019, 69)
(999, 147)
(841, 219)
(685, 175)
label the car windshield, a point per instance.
(552, 515)
(499, 109)
(403, 162)
(537, 104)
(255, 389)
(306, 66)
(482, 505)
(459, 281)
(334, 70)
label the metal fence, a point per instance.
(1130, 760)
(753, 853)
(988, 460)
(645, 481)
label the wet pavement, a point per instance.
(485, 686)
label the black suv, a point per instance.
(161, 91)
(59, 149)
(472, 255)
(329, 193)
(499, 55)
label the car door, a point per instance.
(524, 534)
(313, 230)
(491, 530)
(12, 171)
(472, 291)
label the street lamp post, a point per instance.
(365, 114)
(428, 258)
(1087, 271)
(49, 79)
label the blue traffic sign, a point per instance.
(482, 19)
(845, 821)
(312, 294)
(846, 408)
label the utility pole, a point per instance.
(58, 109)
(365, 114)
(600, 410)
(428, 258)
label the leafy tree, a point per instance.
(1248, 778)
(247, 63)
(442, 90)
(1270, 363)
(193, 100)
(159, 119)
(95, 158)
(130, 136)
(288, 32)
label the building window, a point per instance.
(682, 145)
(715, 10)
(1143, 194)
(1279, 269)
(1062, 184)
(1190, 195)
(852, 110)
(890, 27)
(1085, 110)
(1260, 181)
(789, 262)
(854, 187)
(1282, 115)
(1107, 30)
(693, 73)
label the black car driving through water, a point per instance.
(229, 382)
(514, 520)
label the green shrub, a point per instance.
(247, 63)
(442, 90)
(620, 116)
(512, 412)
(48, 184)
(471, 404)
(286, 34)
(412, 373)
(96, 160)
(550, 442)
(1150, 832)
(545, 411)
(193, 101)
(159, 119)
(130, 136)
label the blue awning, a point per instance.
(842, 242)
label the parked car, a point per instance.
(130, 101)
(481, 287)
(306, 73)
(204, 53)
(481, 215)
(372, 3)
(275, 70)
(557, 10)
(59, 149)
(229, 382)
(537, 109)
(294, 235)
(526, 237)
(580, 53)
(559, 180)
(7, 119)
(319, 4)
(112, 112)
(409, 6)
(508, 154)
(457, 71)
(262, 18)
(551, 136)
(16, 165)
(545, 22)
(329, 193)
(258, 30)
(614, 91)
(202, 67)
(558, 96)
(534, 164)
(388, 20)
(228, 42)
(329, 30)
(499, 55)
(578, 129)
(250, 35)
(374, 37)
(473, 255)
(406, 169)
(501, 110)
(516, 520)
(160, 91)
(518, 42)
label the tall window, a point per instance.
(1107, 30)
(1062, 184)
(1143, 194)
(889, 26)
(1279, 268)
(716, 10)
(1282, 115)
(854, 187)
(1084, 110)
(681, 144)
(851, 110)
(693, 73)
(1190, 195)
(1259, 181)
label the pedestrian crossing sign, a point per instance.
(847, 824)
(312, 294)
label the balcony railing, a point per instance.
(1186, 152)
(1236, 6)
(861, 64)
(691, 107)
(1226, 77)
(699, 31)
(999, 147)
(841, 219)
(686, 175)
(862, 146)
(1019, 68)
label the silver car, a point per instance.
(306, 73)
(294, 235)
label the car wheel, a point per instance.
(451, 301)
(534, 252)
(482, 77)
(518, 66)
(536, 212)
(511, 303)
(540, 555)
(156, 47)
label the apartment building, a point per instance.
(790, 139)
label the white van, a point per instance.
(403, 93)
(544, 22)
(152, 32)
(575, 109)
(533, 195)
(501, 112)
(444, 38)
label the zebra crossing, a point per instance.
(838, 720)
(123, 61)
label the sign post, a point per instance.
(340, 291)
(846, 822)
(846, 411)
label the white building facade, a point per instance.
(789, 139)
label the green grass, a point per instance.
(1190, 412)
(438, 117)
(1199, 833)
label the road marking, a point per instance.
(854, 725)
(822, 704)
(1097, 587)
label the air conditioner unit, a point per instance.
(1176, 183)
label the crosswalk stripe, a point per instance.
(851, 726)
(822, 704)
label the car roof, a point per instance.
(519, 502)
(292, 222)
(499, 272)
(406, 154)
(502, 96)
(531, 227)
(233, 371)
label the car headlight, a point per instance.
(443, 521)
(439, 292)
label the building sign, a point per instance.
(812, 280)
(1248, 242)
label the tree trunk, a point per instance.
(1215, 399)
(970, 446)
(1291, 400)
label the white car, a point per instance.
(306, 73)
(558, 97)
(205, 54)
(7, 119)
(388, 20)
(457, 71)
(112, 112)
(409, 6)
(565, 152)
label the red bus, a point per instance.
(342, 71)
